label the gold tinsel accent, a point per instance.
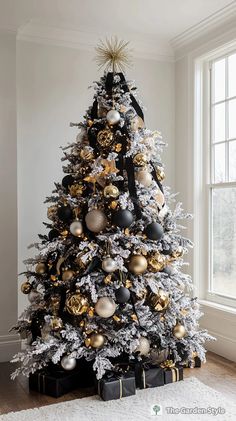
(113, 54)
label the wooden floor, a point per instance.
(218, 373)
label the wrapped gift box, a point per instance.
(116, 386)
(147, 375)
(194, 363)
(171, 372)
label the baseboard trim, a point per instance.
(9, 345)
(224, 346)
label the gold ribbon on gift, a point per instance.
(167, 364)
(144, 379)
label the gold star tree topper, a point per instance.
(113, 54)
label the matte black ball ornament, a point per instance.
(123, 218)
(154, 231)
(122, 295)
(67, 181)
(53, 234)
(64, 213)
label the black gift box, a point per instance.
(147, 376)
(116, 386)
(173, 374)
(195, 363)
(54, 381)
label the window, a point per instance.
(222, 179)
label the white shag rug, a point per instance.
(150, 404)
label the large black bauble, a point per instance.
(154, 231)
(122, 295)
(65, 213)
(67, 181)
(123, 218)
(53, 234)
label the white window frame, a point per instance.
(203, 178)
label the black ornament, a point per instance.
(67, 181)
(122, 295)
(168, 270)
(154, 231)
(65, 213)
(53, 234)
(123, 218)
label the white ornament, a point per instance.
(144, 346)
(109, 265)
(105, 307)
(113, 117)
(68, 363)
(96, 220)
(144, 177)
(76, 228)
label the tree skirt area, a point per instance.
(184, 396)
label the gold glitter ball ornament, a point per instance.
(179, 331)
(111, 191)
(140, 159)
(156, 262)
(76, 190)
(67, 275)
(96, 220)
(76, 304)
(138, 264)
(26, 287)
(105, 138)
(40, 268)
(160, 301)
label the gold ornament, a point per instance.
(26, 287)
(117, 148)
(64, 233)
(134, 317)
(179, 331)
(113, 205)
(53, 278)
(40, 268)
(116, 318)
(76, 190)
(97, 340)
(179, 252)
(141, 294)
(136, 123)
(156, 262)
(160, 174)
(107, 279)
(76, 304)
(86, 154)
(128, 283)
(91, 312)
(111, 191)
(184, 312)
(105, 138)
(109, 167)
(140, 159)
(160, 198)
(55, 303)
(96, 220)
(144, 177)
(160, 301)
(113, 54)
(52, 212)
(138, 264)
(56, 323)
(67, 275)
(87, 342)
(167, 364)
(90, 122)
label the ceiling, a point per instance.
(159, 21)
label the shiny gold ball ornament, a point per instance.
(26, 287)
(140, 160)
(111, 192)
(96, 220)
(76, 228)
(144, 177)
(105, 138)
(40, 268)
(67, 275)
(179, 331)
(86, 154)
(56, 323)
(179, 252)
(105, 307)
(52, 212)
(156, 262)
(76, 304)
(113, 117)
(160, 174)
(97, 340)
(160, 301)
(144, 346)
(138, 264)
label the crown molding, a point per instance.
(145, 48)
(184, 41)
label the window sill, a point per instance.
(219, 307)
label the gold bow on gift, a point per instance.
(167, 364)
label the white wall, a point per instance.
(8, 194)
(52, 91)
